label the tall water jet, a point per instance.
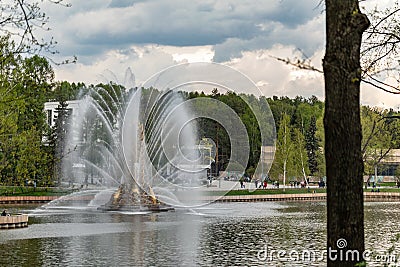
(161, 150)
(138, 141)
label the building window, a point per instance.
(50, 117)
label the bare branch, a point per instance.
(383, 83)
(383, 19)
(301, 64)
(364, 148)
(381, 47)
(379, 54)
(379, 87)
(21, 18)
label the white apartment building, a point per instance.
(51, 110)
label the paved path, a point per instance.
(234, 185)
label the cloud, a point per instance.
(143, 61)
(270, 75)
(307, 37)
(153, 34)
(123, 3)
(373, 96)
(95, 26)
(276, 78)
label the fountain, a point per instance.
(143, 142)
(138, 141)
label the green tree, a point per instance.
(33, 83)
(67, 91)
(244, 106)
(59, 137)
(30, 158)
(397, 175)
(320, 135)
(312, 146)
(380, 136)
(280, 106)
(300, 155)
(283, 162)
(24, 86)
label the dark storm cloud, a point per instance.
(124, 3)
(293, 13)
(307, 37)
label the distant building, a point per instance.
(51, 110)
(386, 168)
(388, 165)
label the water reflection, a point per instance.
(228, 234)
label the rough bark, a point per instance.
(344, 166)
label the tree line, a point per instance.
(27, 143)
(31, 150)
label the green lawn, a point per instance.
(393, 184)
(384, 190)
(30, 191)
(240, 192)
(276, 191)
(54, 191)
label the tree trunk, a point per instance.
(284, 174)
(302, 168)
(344, 166)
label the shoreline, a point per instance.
(26, 199)
(368, 197)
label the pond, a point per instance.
(220, 234)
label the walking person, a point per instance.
(242, 182)
(256, 182)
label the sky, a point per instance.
(147, 36)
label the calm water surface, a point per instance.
(226, 234)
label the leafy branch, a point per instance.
(20, 19)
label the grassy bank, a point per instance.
(393, 184)
(31, 191)
(240, 192)
(55, 191)
(276, 191)
(385, 189)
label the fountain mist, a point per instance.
(140, 141)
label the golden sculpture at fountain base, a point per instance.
(128, 198)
